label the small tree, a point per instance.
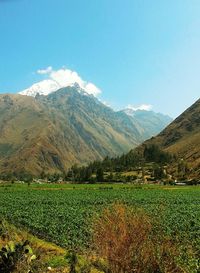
(100, 175)
(159, 172)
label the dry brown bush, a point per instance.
(126, 241)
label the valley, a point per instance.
(99, 136)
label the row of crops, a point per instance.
(64, 214)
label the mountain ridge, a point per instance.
(53, 132)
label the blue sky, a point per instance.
(135, 51)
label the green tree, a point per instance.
(100, 175)
(158, 172)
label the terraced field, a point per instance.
(64, 213)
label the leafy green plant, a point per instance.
(77, 264)
(16, 256)
(72, 260)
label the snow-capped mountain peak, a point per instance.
(48, 86)
(58, 79)
(42, 88)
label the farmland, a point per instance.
(64, 213)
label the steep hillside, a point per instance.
(182, 136)
(25, 130)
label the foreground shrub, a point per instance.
(128, 243)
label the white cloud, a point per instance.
(58, 79)
(90, 88)
(45, 71)
(146, 107)
(66, 77)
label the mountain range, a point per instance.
(54, 131)
(154, 122)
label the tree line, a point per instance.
(111, 166)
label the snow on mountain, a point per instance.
(129, 111)
(46, 87)
(58, 79)
(43, 88)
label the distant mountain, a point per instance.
(153, 123)
(182, 136)
(51, 133)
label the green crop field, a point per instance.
(64, 213)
